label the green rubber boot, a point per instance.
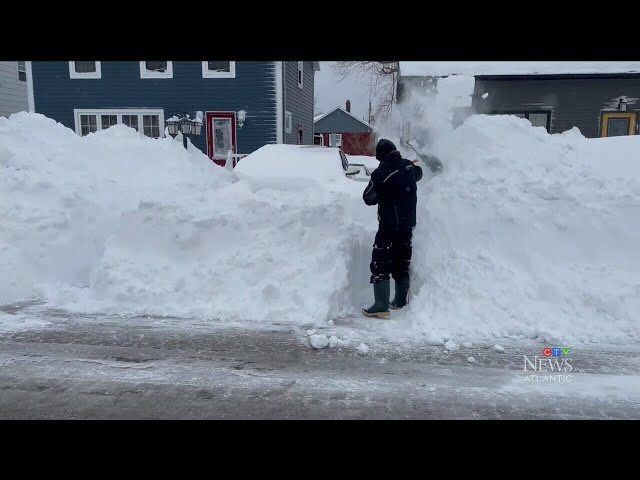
(402, 292)
(380, 308)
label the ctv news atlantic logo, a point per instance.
(554, 365)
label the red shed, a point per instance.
(354, 136)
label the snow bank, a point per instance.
(524, 234)
(529, 235)
(121, 223)
(62, 196)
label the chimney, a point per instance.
(349, 106)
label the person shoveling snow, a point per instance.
(393, 188)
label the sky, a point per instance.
(332, 93)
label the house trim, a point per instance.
(119, 112)
(234, 133)
(279, 102)
(144, 73)
(30, 97)
(89, 75)
(206, 73)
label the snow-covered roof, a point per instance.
(423, 69)
(315, 119)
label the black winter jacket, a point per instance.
(393, 188)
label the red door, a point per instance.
(221, 136)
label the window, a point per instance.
(150, 126)
(538, 119)
(338, 140)
(131, 121)
(108, 120)
(287, 122)
(85, 70)
(22, 71)
(345, 162)
(618, 123)
(300, 73)
(89, 121)
(156, 69)
(617, 127)
(218, 69)
(88, 124)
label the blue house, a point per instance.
(244, 105)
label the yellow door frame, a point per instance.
(632, 116)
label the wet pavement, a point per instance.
(56, 365)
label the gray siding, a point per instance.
(253, 90)
(572, 102)
(13, 93)
(340, 122)
(299, 101)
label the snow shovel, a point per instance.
(434, 164)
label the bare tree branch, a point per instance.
(382, 78)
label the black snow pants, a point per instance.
(391, 255)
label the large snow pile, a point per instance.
(122, 223)
(524, 234)
(528, 234)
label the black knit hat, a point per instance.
(384, 148)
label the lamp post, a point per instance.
(184, 125)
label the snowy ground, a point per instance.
(100, 367)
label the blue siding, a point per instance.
(253, 90)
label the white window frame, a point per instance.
(206, 73)
(300, 76)
(23, 71)
(144, 73)
(90, 75)
(338, 139)
(119, 112)
(288, 117)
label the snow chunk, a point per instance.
(498, 348)
(467, 344)
(311, 332)
(451, 346)
(319, 341)
(363, 349)
(334, 341)
(471, 360)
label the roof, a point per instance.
(560, 76)
(320, 117)
(427, 69)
